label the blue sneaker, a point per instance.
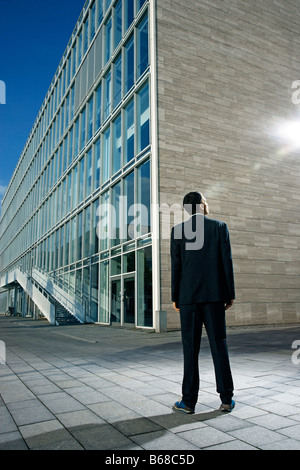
(227, 408)
(180, 406)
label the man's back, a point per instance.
(202, 269)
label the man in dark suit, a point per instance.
(202, 289)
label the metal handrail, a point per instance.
(55, 281)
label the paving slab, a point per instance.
(257, 435)
(49, 435)
(99, 437)
(89, 387)
(163, 440)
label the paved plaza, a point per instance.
(94, 387)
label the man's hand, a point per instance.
(175, 307)
(229, 304)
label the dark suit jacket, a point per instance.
(202, 274)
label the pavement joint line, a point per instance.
(55, 416)
(265, 352)
(74, 337)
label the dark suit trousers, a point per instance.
(192, 317)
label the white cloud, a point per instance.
(2, 190)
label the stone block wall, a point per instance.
(225, 74)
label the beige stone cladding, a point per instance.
(225, 71)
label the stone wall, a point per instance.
(225, 74)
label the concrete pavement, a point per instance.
(95, 387)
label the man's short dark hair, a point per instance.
(192, 200)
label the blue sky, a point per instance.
(33, 38)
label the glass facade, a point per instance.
(71, 208)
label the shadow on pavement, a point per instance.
(131, 434)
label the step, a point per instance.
(68, 321)
(64, 317)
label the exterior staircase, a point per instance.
(69, 309)
(54, 303)
(63, 316)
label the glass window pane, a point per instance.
(107, 4)
(104, 292)
(51, 251)
(78, 282)
(128, 216)
(143, 118)
(129, 13)
(129, 262)
(86, 286)
(116, 154)
(76, 143)
(58, 203)
(140, 3)
(92, 17)
(118, 80)
(48, 173)
(83, 128)
(47, 250)
(129, 132)
(69, 197)
(65, 280)
(72, 103)
(70, 146)
(86, 36)
(67, 109)
(61, 157)
(79, 43)
(59, 243)
(64, 197)
(98, 106)
(108, 40)
(79, 237)
(73, 241)
(87, 231)
(68, 71)
(55, 173)
(118, 22)
(103, 225)
(72, 281)
(56, 251)
(74, 60)
(143, 60)
(100, 11)
(144, 198)
(129, 64)
(65, 153)
(115, 266)
(62, 120)
(94, 292)
(75, 187)
(67, 244)
(97, 164)
(144, 287)
(58, 162)
(88, 180)
(90, 118)
(107, 95)
(94, 234)
(115, 214)
(106, 156)
(81, 180)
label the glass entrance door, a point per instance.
(116, 300)
(129, 299)
(123, 299)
